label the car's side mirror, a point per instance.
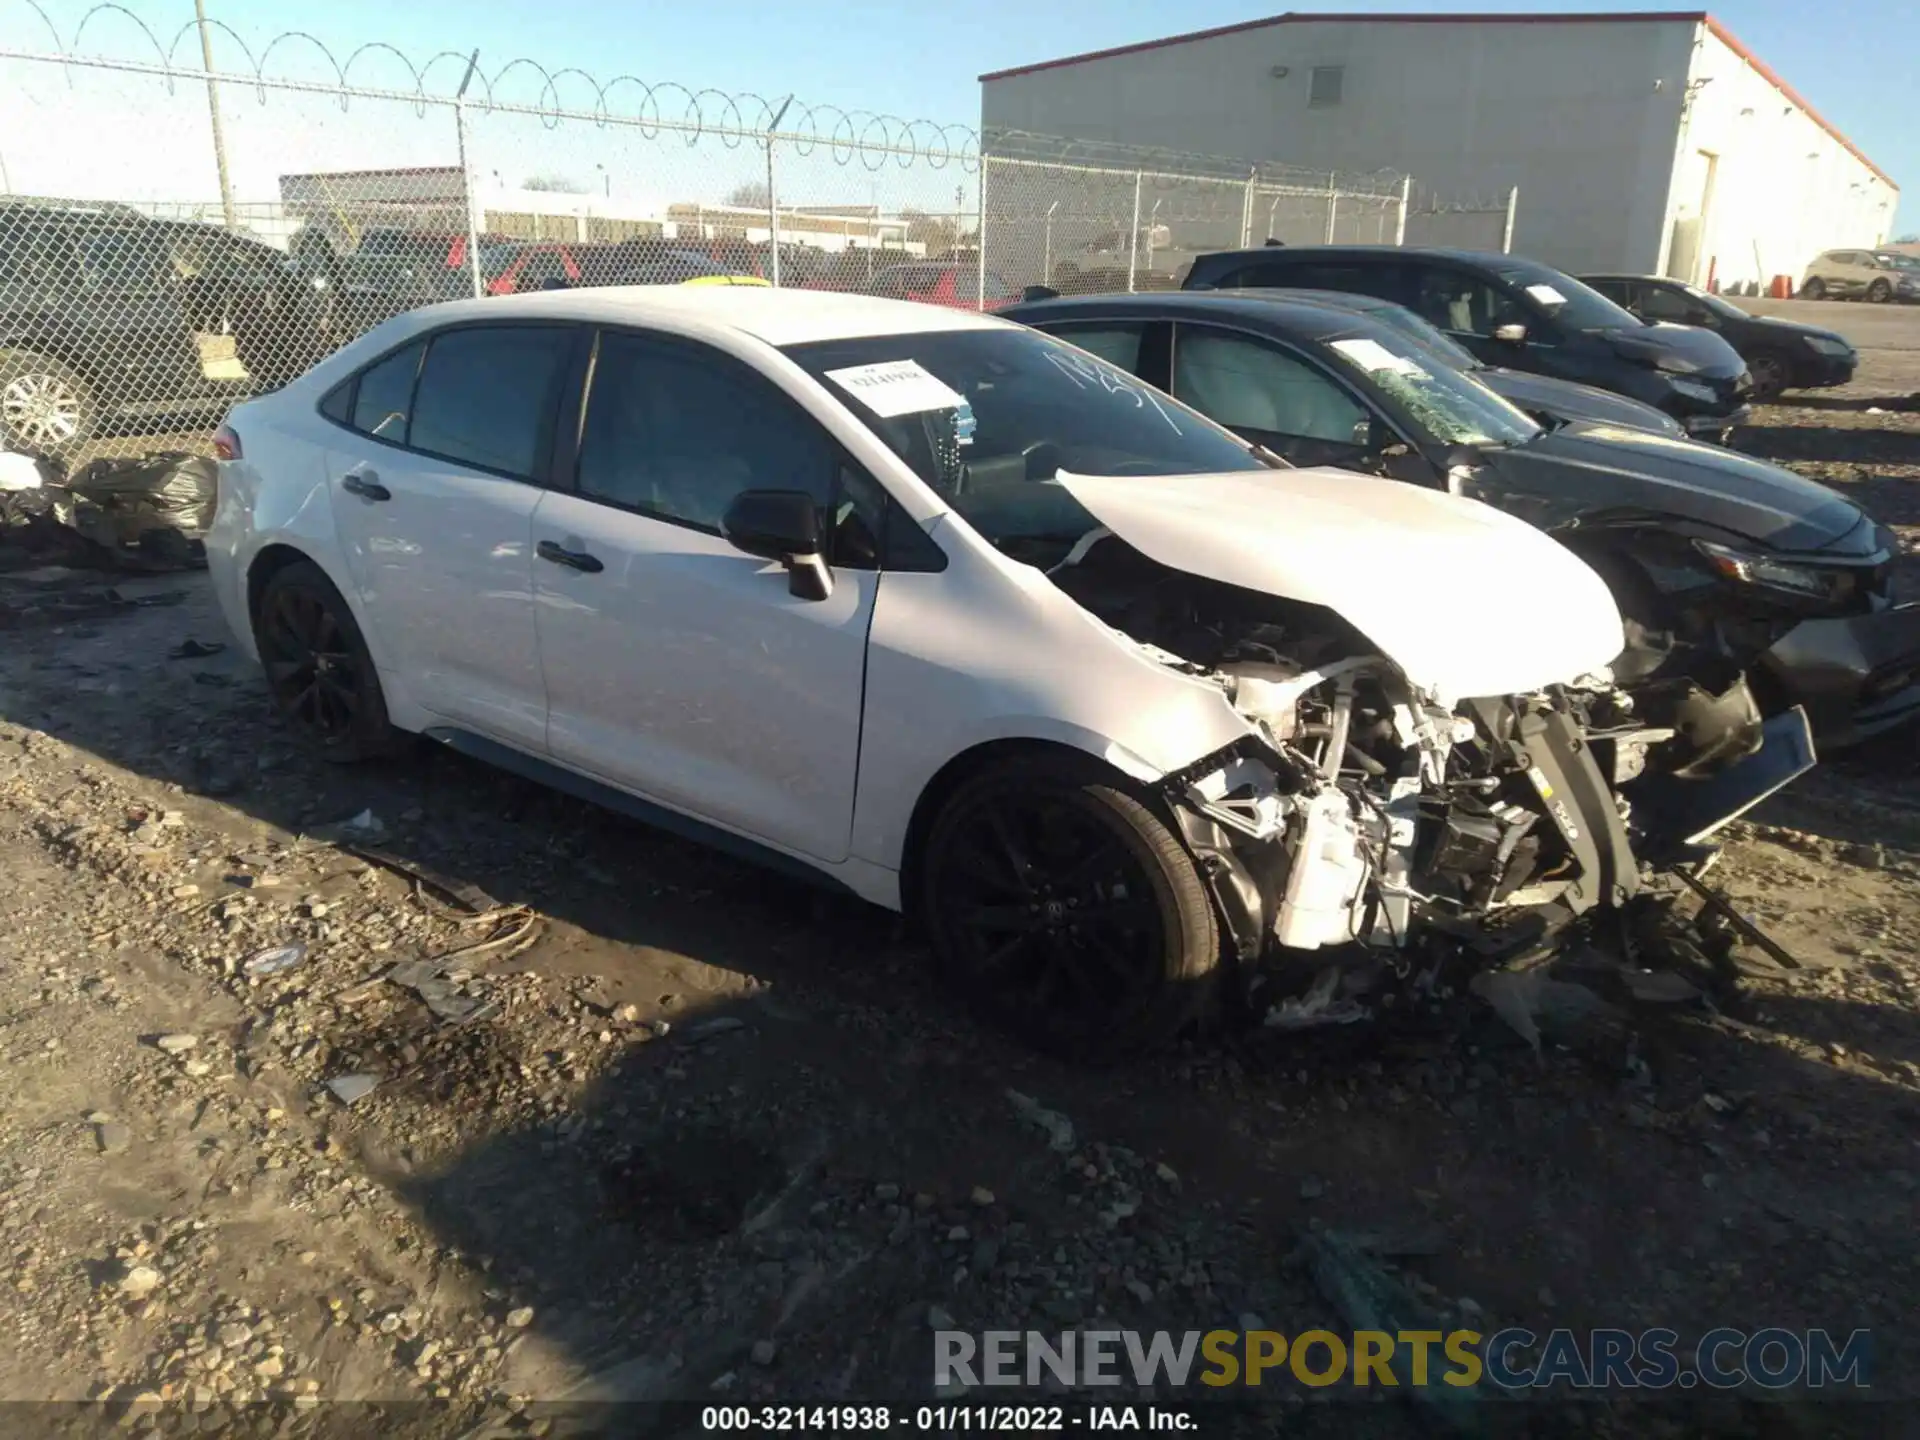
(1510, 334)
(781, 525)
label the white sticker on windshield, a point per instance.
(896, 387)
(1546, 295)
(1372, 355)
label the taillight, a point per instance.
(226, 443)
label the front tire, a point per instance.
(319, 671)
(46, 407)
(1066, 911)
(1770, 374)
(1814, 289)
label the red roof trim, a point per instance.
(1692, 17)
(1765, 72)
(1294, 18)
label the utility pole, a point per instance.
(213, 112)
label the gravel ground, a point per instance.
(710, 1134)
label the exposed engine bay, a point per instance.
(1359, 811)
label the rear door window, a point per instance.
(487, 396)
(1116, 342)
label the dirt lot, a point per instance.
(715, 1136)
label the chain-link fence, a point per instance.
(1470, 223)
(203, 230)
(1084, 218)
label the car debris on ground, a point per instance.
(146, 514)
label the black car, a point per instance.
(1721, 564)
(1551, 402)
(1518, 314)
(1780, 354)
(106, 313)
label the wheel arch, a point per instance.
(268, 562)
(962, 767)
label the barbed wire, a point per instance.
(732, 118)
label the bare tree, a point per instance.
(554, 185)
(936, 232)
(752, 195)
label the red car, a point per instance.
(945, 282)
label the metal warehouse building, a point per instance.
(1651, 142)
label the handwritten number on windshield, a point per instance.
(1081, 371)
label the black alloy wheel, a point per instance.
(1770, 374)
(319, 673)
(1067, 911)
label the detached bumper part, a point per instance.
(1676, 815)
(1856, 677)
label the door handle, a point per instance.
(572, 559)
(366, 485)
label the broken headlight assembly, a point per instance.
(1750, 569)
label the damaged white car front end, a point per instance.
(1418, 675)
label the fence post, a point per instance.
(1133, 235)
(466, 176)
(1513, 203)
(1046, 257)
(1400, 225)
(213, 113)
(1246, 210)
(1333, 202)
(980, 238)
(773, 196)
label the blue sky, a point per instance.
(1852, 61)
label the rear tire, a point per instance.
(1814, 289)
(319, 671)
(46, 407)
(1066, 911)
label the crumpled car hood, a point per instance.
(1465, 600)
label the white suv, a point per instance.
(939, 609)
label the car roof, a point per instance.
(1286, 312)
(1419, 252)
(776, 316)
(1627, 275)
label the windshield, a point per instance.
(988, 417)
(1452, 408)
(1713, 302)
(1897, 260)
(1577, 306)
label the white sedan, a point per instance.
(941, 610)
